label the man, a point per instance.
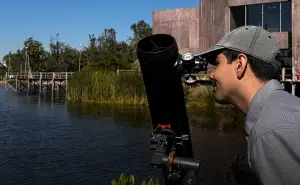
(247, 76)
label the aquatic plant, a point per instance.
(127, 87)
(123, 179)
(106, 86)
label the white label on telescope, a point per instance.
(187, 56)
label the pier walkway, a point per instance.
(51, 81)
(37, 81)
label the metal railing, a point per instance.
(290, 74)
(287, 74)
(39, 75)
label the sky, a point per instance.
(74, 20)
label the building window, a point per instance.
(271, 17)
(286, 57)
(274, 17)
(286, 16)
(237, 17)
(254, 15)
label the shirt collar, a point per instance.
(258, 101)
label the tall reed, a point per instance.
(106, 86)
(127, 87)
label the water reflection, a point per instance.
(131, 115)
(217, 136)
(45, 140)
(139, 116)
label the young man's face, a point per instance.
(225, 79)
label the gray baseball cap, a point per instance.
(251, 40)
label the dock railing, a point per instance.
(290, 74)
(287, 74)
(39, 75)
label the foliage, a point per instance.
(106, 86)
(127, 87)
(2, 71)
(130, 180)
(36, 53)
(102, 52)
(140, 31)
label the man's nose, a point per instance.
(211, 75)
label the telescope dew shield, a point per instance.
(157, 55)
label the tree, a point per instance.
(112, 54)
(140, 31)
(35, 53)
(15, 60)
(92, 52)
(103, 51)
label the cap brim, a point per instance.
(211, 54)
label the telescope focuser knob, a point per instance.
(184, 137)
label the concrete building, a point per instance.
(198, 28)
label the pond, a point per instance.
(49, 141)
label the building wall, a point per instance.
(296, 33)
(198, 28)
(282, 39)
(247, 2)
(213, 22)
(182, 24)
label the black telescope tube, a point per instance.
(185, 163)
(157, 55)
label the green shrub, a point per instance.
(106, 86)
(130, 180)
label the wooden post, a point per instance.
(283, 74)
(28, 83)
(5, 80)
(293, 88)
(17, 84)
(16, 81)
(293, 74)
(59, 76)
(52, 83)
(40, 89)
(52, 86)
(66, 82)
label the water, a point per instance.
(53, 142)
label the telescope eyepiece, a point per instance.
(188, 62)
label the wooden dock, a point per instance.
(289, 78)
(37, 81)
(57, 81)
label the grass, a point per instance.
(109, 87)
(123, 179)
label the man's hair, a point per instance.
(261, 69)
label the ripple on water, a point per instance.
(54, 143)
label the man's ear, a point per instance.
(241, 65)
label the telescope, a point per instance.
(163, 70)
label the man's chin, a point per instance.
(222, 101)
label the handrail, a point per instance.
(287, 74)
(39, 75)
(293, 75)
